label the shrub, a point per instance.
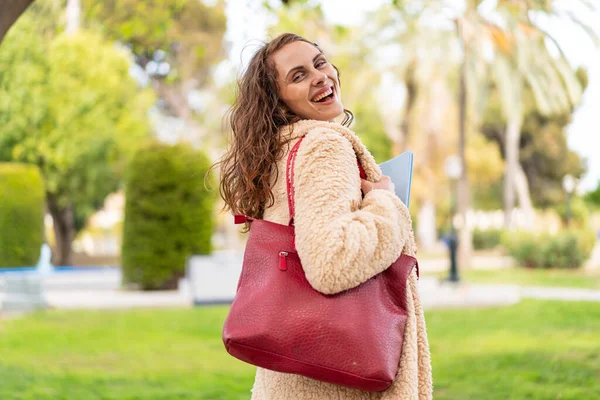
(486, 239)
(168, 214)
(21, 214)
(567, 249)
(580, 213)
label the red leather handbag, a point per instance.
(279, 322)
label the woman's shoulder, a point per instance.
(333, 144)
(322, 138)
(315, 133)
(310, 126)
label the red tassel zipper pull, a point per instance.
(283, 260)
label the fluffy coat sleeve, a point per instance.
(342, 240)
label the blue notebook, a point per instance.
(399, 169)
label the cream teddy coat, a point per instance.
(343, 240)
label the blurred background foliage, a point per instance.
(69, 106)
(85, 83)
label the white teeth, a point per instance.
(327, 93)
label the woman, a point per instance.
(290, 90)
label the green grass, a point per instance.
(534, 350)
(141, 354)
(532, 277)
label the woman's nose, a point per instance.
(320, 79)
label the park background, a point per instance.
(111, 114)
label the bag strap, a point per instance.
(289, 173)
(363, 174)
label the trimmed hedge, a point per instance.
(567, 249)
(486, 239)
(169, 214)
(22, 203)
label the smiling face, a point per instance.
(308, 84)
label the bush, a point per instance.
(168, 214)
(580, 213)
(21, 214)
(486, 239)
(568, 249)
(592, 198)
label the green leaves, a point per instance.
(169, 215)
(189, 32)
(68, 105)
(21, 214)
(593, 197)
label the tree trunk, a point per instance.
(411, 98)
(511, 164)
(11, 10)
(524, 196)
(64, 230)
(73, 16)
(465, 241)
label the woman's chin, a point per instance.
(328, 115)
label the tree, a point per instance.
(429, 60)
(543, 149)
(176, 42)
(69, 106)
(11, 11)
(522, 59)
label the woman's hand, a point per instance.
(385, 183)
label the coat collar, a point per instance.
(302, 127)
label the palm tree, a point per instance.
(521, 58)
(518, 57)
(513, 47)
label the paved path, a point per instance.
(116, 299)
(478, 262)
(101, 290)
(434, 295)
(559, 293)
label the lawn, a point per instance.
(534, 350)
(531, 277)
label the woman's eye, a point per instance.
(321, 63)
(297, 77)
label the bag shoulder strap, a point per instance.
(289, 173)
(291, 162)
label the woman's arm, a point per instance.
(341, 243)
